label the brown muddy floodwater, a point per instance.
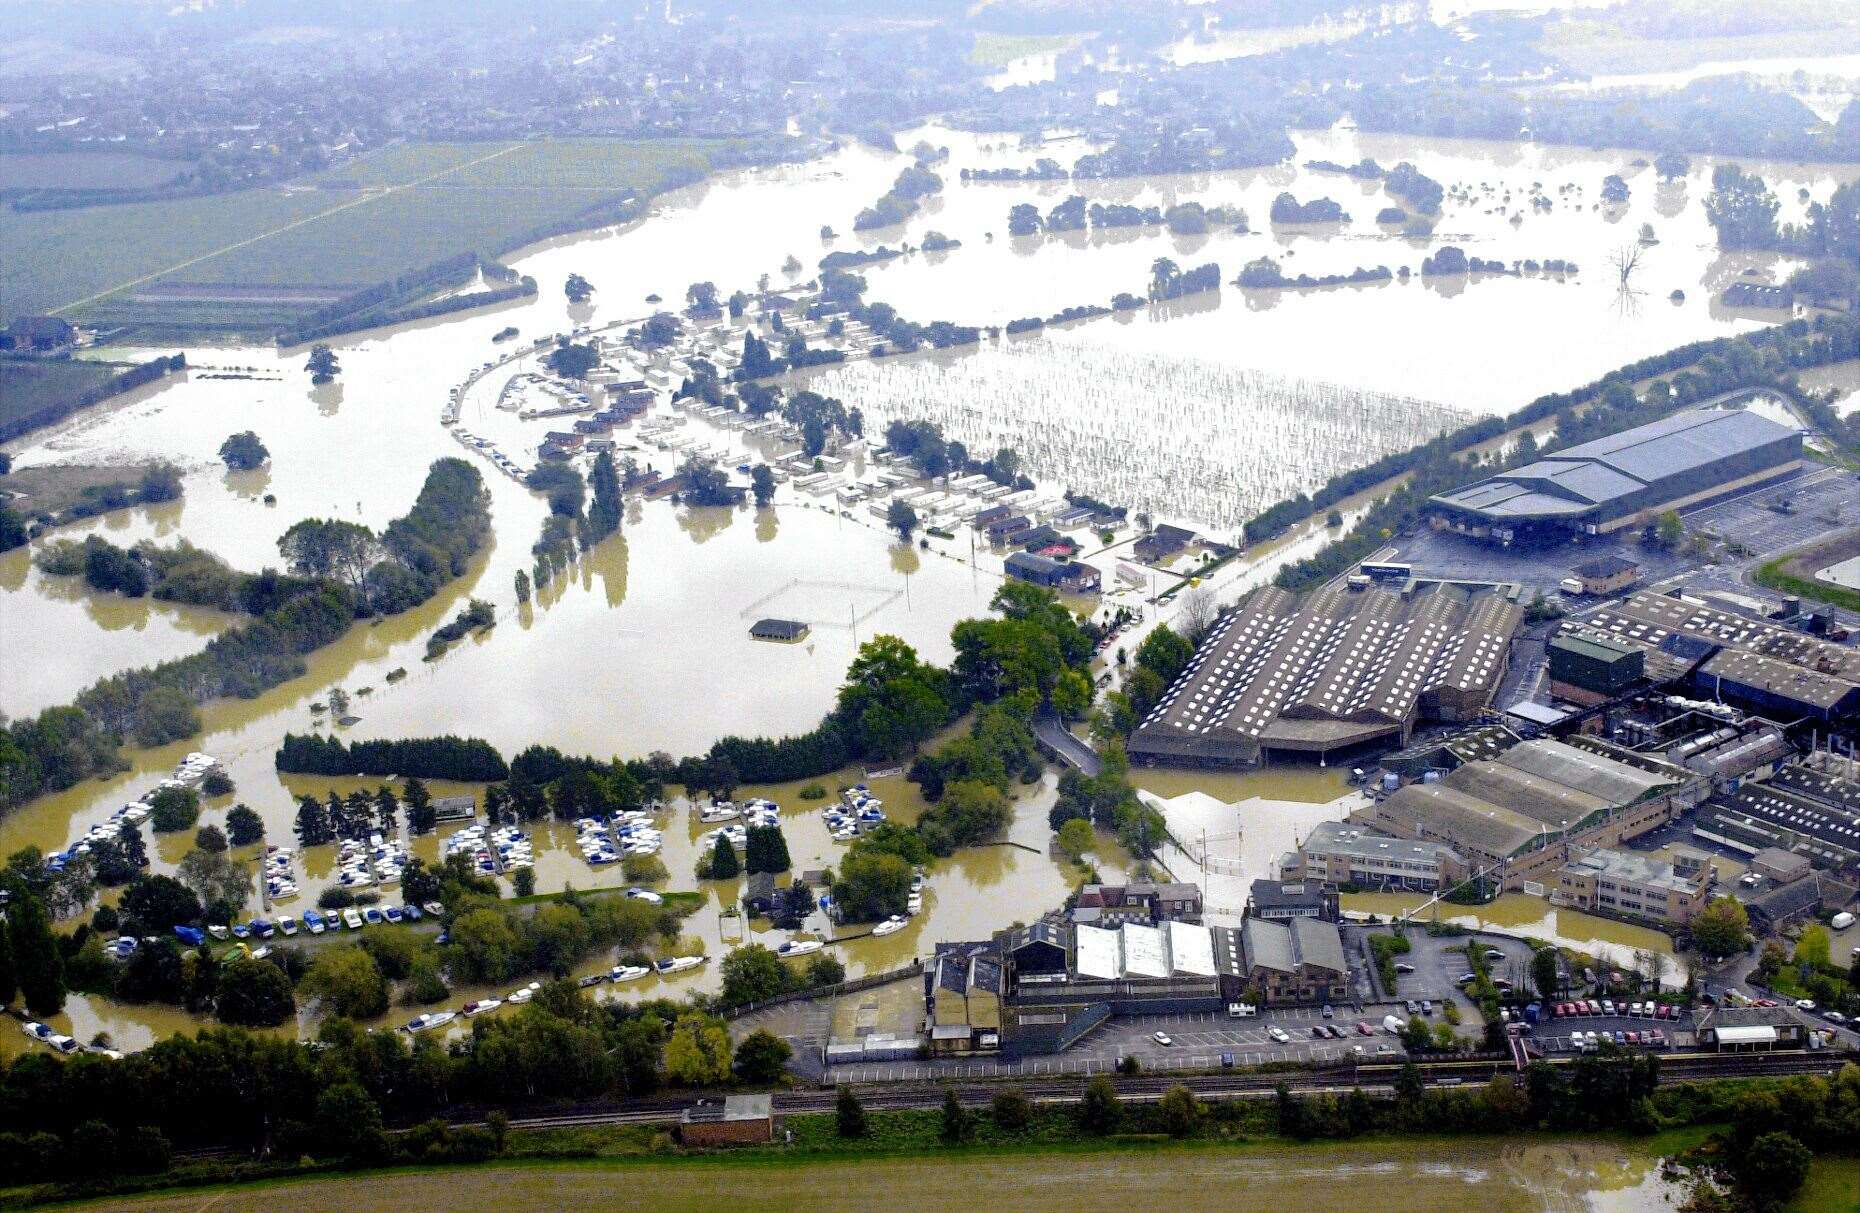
(1490, 1175)
(645, 646)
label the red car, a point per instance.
(1364, 1029)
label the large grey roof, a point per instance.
(1335, 667)
(1284, 946)
(1608, 469)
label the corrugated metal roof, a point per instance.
(1100, 953)
(1191, 949)
(1146, 953)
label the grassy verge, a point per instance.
(1772, 574)
(1833, 1187)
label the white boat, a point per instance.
(473, 1009)
(523, 995)
(799, 947)
(219, 931)
(628, 973)
(288, 925)
(353, 919)
(718, 813)
(678, 964)
(890, 926)
(438, 1019)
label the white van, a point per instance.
(1393, 1024)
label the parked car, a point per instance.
(1161, 1038)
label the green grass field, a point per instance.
(402, 208)
(85, 170)
(27, 387)
(999, 50)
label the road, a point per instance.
(1074, 753)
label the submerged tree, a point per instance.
(322, 366)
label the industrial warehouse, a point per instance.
(1348, 666)
(1726, 655)
(1038, 989)
(1510, 815)
(1624, 480)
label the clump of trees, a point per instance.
(243, 451)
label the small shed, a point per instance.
(737, 1120)
(1607, 574)
(454, 808)
(786, 630)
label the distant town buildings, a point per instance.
(37, 337)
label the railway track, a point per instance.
(891, 1097)
(1139, 1088)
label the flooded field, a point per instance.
(1172, 435)
(1529, 1176)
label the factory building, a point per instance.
(1728, 656)
(1614, 882)
(1592, 668)
(1338, 853)
(1811, 813)
(1510, 812)
(1624, 480)
(1343, 668)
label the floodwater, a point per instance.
(1517, 914)
(644, 646)
(1528, 1175)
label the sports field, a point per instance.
(390, 211)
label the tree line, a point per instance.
(466, 759)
